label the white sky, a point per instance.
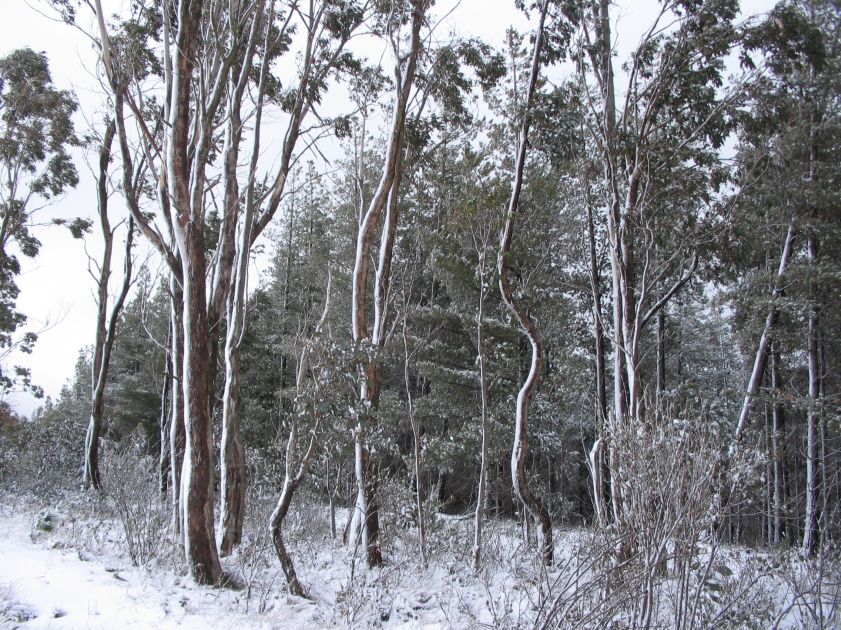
(55, 287)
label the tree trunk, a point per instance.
(233, 283)
(366, 514)
(163, 425)
(290, 481)
(597, 459)
(811, 535)
(177, 434)
(777, 451)
(233, 473)
(415, 443)
(276, 526)
(533, 507)
(483, 393)
(764, 340)
(106, 325)
(661, 359)
(197, 479)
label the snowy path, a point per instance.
(59, 589)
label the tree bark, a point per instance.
(186, 192)
(232, 285)
(811, 534)
(366, 515)
(597, 458)
(416, 446)
(163, 426)
(765, 339)
(291, 480)
(197, 477)
(91, 475)
(777, 450)
(177, 434)
(533, 506)
(481, 497)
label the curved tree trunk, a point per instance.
(290, 485)
(290, 481)
(276, 527)
(534, 508)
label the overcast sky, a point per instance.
(56, 289)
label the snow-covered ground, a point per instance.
(78, 575)
(43, 585)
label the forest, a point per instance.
(547, 329)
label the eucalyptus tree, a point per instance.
(199, 104)
(533, 506)
(179, 143)
(36, 136)
(658, 152)
(106, 319)
(326, 28)
(385, 199)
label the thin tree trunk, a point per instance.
(292, 481)
(233, 474)
(823, 520)
(811, 536)
(163, 425)
(602, 59)
(106, 324)
(597, 459)
(661, 359)
(234, 279)
(366, 515)
(777, 452)
(764, 340)
(177, 434)
(533, 506)
(290, 485)
(415, 443)
(483, 392)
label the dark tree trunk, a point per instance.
(199, 524)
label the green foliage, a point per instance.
(36, 134)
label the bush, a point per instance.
(131, 483)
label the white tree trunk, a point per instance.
(811, 536)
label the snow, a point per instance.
(78, 575)
(68, 588)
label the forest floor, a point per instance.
(63, 567)
(46, 584)
(67, 565)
